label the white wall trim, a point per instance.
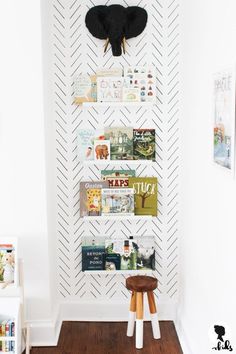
(46, 333)
(182, 337)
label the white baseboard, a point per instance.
(46, 333)
(182, 337)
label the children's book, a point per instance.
(101, 150)
(126, 249)
(117, 202)
(121, 140)
(112, 262)
(85, 89)
(93, 251)
(142, 78)
(8, 263)
(145, 189)
(146, 253)
(86, 138)
(109, 89)
(104, 72)
(90, 198)
(144, 144)
(117, 178)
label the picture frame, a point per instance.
(224, 119)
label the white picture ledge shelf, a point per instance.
(117, 104)
(117, 217)
(112, 272)
(118, 162)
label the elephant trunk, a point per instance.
(116, 47)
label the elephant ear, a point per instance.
(136, 20)
(95, 19)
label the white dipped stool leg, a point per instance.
(139, 321)
(154, 318)
(132, 314)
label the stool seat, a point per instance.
(141, 283)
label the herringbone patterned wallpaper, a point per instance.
(75, 51)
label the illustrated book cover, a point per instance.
(224, 119)
(93, 251)
(117, 178)
(90, 198)
(117, 202)
(146, 253)
(85, 89)
(145, 189)
(85, 139)
(126, 249)
(144, 144)
(109, 89)
(143, 79)
(101, 150)
(8, 263)
(121, 140)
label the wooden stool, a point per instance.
(138, 285)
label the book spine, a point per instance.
(12, 329)
(7, 329)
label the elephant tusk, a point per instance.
(106, 45)
(123, 44)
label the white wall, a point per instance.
(22, 150)
(208, 243)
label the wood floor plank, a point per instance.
(110, 338)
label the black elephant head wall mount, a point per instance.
(115, 24)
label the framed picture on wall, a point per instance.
(224, 119)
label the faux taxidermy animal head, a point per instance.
(115, 24)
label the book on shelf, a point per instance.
(101, 150)
(142, 79)
(7, 346)
(145, 195)
(93, 250)
(117, 178)
(105, 72)
(7, 328)
(125, 249)
(144, 144)
(146, 253)
(101, 253)
(8, 263)
(121, 141)
(117, 202)
(86, 139)
(90, 198)
(85, 89)
(109, 89)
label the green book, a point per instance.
(145, 195)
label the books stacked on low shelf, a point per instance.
(134, 84)
(100, 253)
(116, 143)
(7, 329)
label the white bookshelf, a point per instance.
(118, 162)
(117, 217)
(121, 272)
(10, 310)
(117, 104)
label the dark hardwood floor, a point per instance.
(110, 338)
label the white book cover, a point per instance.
(109, 89)
(86, 138)
(118, 202)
